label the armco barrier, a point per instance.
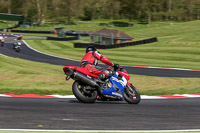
(62, 38)
(100, 46)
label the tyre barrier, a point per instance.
(100, 46)
(63, 38)
(6, 35)
(32, 31)
(51, 32)
(77, 34)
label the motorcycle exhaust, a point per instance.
(77, 75)
(85, 79)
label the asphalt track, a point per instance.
(69, 114)
(30, 54)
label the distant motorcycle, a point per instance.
(17, 46)
(2, 41)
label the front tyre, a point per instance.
(82, 94)
(131, 94)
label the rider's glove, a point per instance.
(116, 66)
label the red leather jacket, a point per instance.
(93, 57)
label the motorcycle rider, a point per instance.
(16, 43)
(2, 39)
(20, 37)
(90, 62)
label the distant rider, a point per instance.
(17, 41)
(2, 40)
(90, 62)
(20, 37)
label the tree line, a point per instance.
(69, 11)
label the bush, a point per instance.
(103, 24)
(121, 24)
(88, 13)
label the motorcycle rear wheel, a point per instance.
(131, 95)
(85, 96)
(2, 44)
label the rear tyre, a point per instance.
(83, 94)
(131, 94)
(2, 44)
(17, 50)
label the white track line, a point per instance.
(177, 96)
(152, 97)
(3, 95)
(47, 130)
(3, 55)
(144, 96)
(180, 69)
(188, 95)
(63, 96)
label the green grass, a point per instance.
(4, 25)
(20, 76)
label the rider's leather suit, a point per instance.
(90, 62)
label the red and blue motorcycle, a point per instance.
(87, 88)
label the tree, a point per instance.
(66, 10)
(38, 11)
(129, 8)
(4, 6)
(9, 6)
(151, 7)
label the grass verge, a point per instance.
(20, 76)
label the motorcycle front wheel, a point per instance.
(131, 94)
(82, 94)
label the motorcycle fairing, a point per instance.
(80, 69)
(125, 74)
(117, 88)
